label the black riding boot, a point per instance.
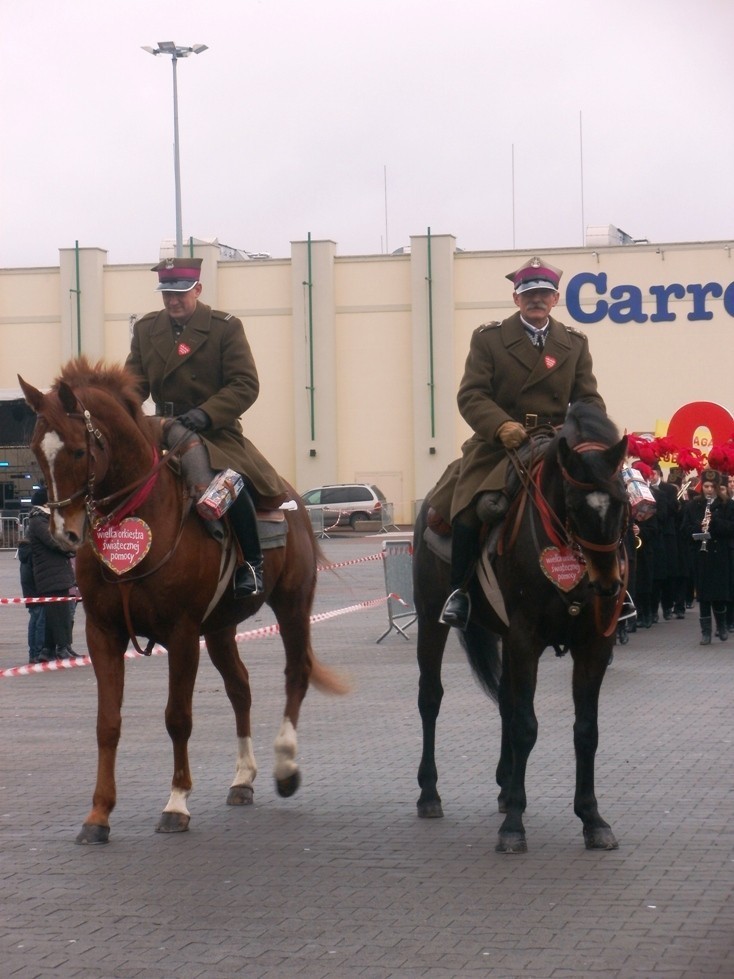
(721, 630)
(464, 556)
(705, 631)
(248, 579)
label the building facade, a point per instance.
(360, 357)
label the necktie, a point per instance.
(540, 341)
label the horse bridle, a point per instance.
(548, 516)
(93, 437)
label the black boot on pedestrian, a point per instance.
(248, 579)
(721, 630)
(705, 631)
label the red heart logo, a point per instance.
(562, 567)
(549, 361)
(122, 546)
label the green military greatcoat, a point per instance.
(506, 378)
(210, 366)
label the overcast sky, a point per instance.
(363, 121)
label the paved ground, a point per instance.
(343, 879)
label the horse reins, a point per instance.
(562, 535)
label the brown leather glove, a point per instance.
(511, 434)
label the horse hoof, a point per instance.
(430, 810)
(173, 822)
(511, 843)
(600, 838)
(91, 834)
(288, 786)
(240, 795)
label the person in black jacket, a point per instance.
(54, 576)
(36, 611)
(668, 573)
(711, 519)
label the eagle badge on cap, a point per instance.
(169, 263)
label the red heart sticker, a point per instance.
(549, 361)
(183, 349)
(123, 546)
(562, 567)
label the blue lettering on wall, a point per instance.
(699, 294)
(573, 298)
(662, 293)
(628, 300)
(629, 311)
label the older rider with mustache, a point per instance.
(520, 373)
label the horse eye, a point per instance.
(79, 453)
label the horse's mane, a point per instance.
(586, 421)
(112, 380)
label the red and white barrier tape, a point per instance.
(18, 600)
(39, 601)
(357, 560)
(269, 630)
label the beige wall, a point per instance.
(372, 325)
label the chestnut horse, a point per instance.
(561, 571)
(100, 456)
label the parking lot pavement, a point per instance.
(343, 879)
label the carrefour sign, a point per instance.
(624, 302)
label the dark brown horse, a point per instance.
(100, 457)
(561, 572)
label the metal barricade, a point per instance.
(398, 564)
(316, 513)
(9, 533)
(387, 517)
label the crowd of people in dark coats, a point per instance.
(683, 555)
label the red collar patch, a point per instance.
(549, 361)
(184, 348)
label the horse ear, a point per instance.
(616, 454)
(569, 459)
(34, 398)
(67, 398)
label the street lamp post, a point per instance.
(176, 51)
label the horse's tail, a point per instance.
(327, 680)
(484, 653)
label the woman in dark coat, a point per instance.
(711, 516)
(54, 576)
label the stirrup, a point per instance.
(457, 610)
(248, 580)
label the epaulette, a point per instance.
(220, 315)
(488, 326)
(578, 333)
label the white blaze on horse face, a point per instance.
(246, 768)
(286, 746)
(50, 446)
(600, 503)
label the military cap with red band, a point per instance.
(535, 274)
(177, 274)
